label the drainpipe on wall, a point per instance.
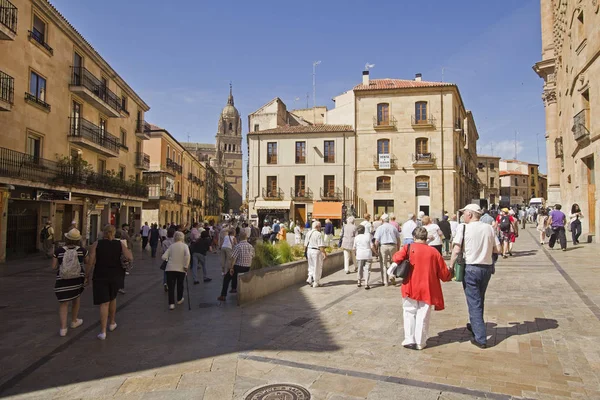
(344, 174)
(357, 206)
(442, 134)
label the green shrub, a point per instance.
(283, 252)
(263, 256)
(298, 251)
(266, 255)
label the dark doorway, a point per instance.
(21, 232)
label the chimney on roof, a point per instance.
(366, 78)
(418, 77)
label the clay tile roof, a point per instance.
(156, 128)
(506, 173)
(383, 84)
(306, 129)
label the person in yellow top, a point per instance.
(282, 235)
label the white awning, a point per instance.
(272, 205)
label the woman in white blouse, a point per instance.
(178, 260)
(434, 233)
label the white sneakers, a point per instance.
(102, 336)
(74, 324)
(181, 301)
(171, 306)
(112, 327)
(63, 332)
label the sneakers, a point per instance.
(315, 284)
(367, 287)
(411, 346)
(171, 306)
(181, 301)
(358, 285)
(421, 347)
(101, 336)
(476, 343)
(63, 332)
(76, 323)
(112, 327)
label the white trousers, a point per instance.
(416, 321)
(327, 240)
(364, 269)
(348, 257)
(387, 252)
(315, 265)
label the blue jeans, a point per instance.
(198, 259)
(475, 284)
(408, 241)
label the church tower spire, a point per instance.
(230, 99)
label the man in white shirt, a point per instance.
(453, 225)
(481, 249)
(145, 232)
(407, 229)
(315, 254)
(363, 253)
(387, 238)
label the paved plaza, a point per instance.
(338, 341)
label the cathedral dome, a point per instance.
(229, 111)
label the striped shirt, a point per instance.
(242, 254)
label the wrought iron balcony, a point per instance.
(423, 160)
(392, 165)
(95, 92)
(8, 20)
(7, 89)
(93, 137)
(174, 166)
(331, 194)
(272, 194)
(142, 161)
(579, 128)
(32, 98)
(70, 173)
(418, 122)
(301, 194)
(41, 40)
(390, 123)
(142, 129)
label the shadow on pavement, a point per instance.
(526, 253)
(498, 334)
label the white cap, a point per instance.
(385, 218)
(472, 207)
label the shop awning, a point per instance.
(327, 209)
(272, 205)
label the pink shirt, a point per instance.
(396, 225)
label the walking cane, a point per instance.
(188, 293)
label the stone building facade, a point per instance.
(72, 132)
(570, 67)
(488, 171)
(513, 188)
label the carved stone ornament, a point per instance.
(595, 5)
(549, 96)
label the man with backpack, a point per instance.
(47, 239)
(508, 230)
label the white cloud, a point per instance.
(504, 148)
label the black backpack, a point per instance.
(44, 234)
(505, 223)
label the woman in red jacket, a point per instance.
(421, 290)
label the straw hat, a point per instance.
(73, 234)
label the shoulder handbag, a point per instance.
(306, 247)
(405, 267)
(460, 263)
(163, 265)
(341, 237)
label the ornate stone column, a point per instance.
(554, 154)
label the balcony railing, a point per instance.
(384, 124)
(39, 37)
(8, 15)
(142, 161)
(331, 194)
(174, 166)
(272, 193)
(142, 128)
(423, 159)
(7, 88)
(85, 129)
(579, 128)
(31, 168)
(423, 122)
(301, 194)
(84, 78)
(392, 165)
(32, 98)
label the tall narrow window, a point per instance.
(121, 172)
(329, 151)
(492, 182)
(101, 166)
(230, 127)
(329, 185)
(421, 112)
(124, 103)
(75, 118)
(272, 186)
(422, 146)
(256, 127)
(383, 114)
(422, 185)
(168, 152)
(383, 146)
(37, 86)
(300, 186)
(300, 152)
(38, 31)
(77, 66)
(123, 138)
(271, 153)
(384, 183)
(34, 147)
(102, 127)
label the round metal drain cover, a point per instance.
(283, 391)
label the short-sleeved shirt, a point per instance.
(480, 241)
(314, 240)
(387, 234)
(408, 228)
(432, 230)
(362, 245)
(368, 227)
(145, 230)
(242, 254)
(487, 219)
(558, 218)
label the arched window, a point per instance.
(422, 147)
(384, 183)
(230, 127)
(383, 146)
(383, 114)
(422, 185)
(421, 112)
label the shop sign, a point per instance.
(52, 195)
(385, 161)
(99, 206)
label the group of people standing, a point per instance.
(552, 224)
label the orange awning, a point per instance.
(327, 209)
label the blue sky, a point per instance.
(181, 58)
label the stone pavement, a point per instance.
(542, 314)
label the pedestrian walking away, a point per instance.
(164, 247)
(507, 230)
(153, 239)
(447, 231)
(387, 239)
(178, 261)
(542, 224)
(227, 245)
(266, 232)
(421, 290)
(363, 252)
(108, 274)
(297, 235)
(69, 262)
(480, 245)
(575, 223)
(408, 228)
(315, 254)
(367, 224)
(435, 234)
(47, 239)
(328, 232)
(348, 233)
(145, 231)
(199, 249)
(241, 261)
(558, 219)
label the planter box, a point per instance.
(262, 282)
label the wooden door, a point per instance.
(591, 194)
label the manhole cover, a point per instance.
(279, 392)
